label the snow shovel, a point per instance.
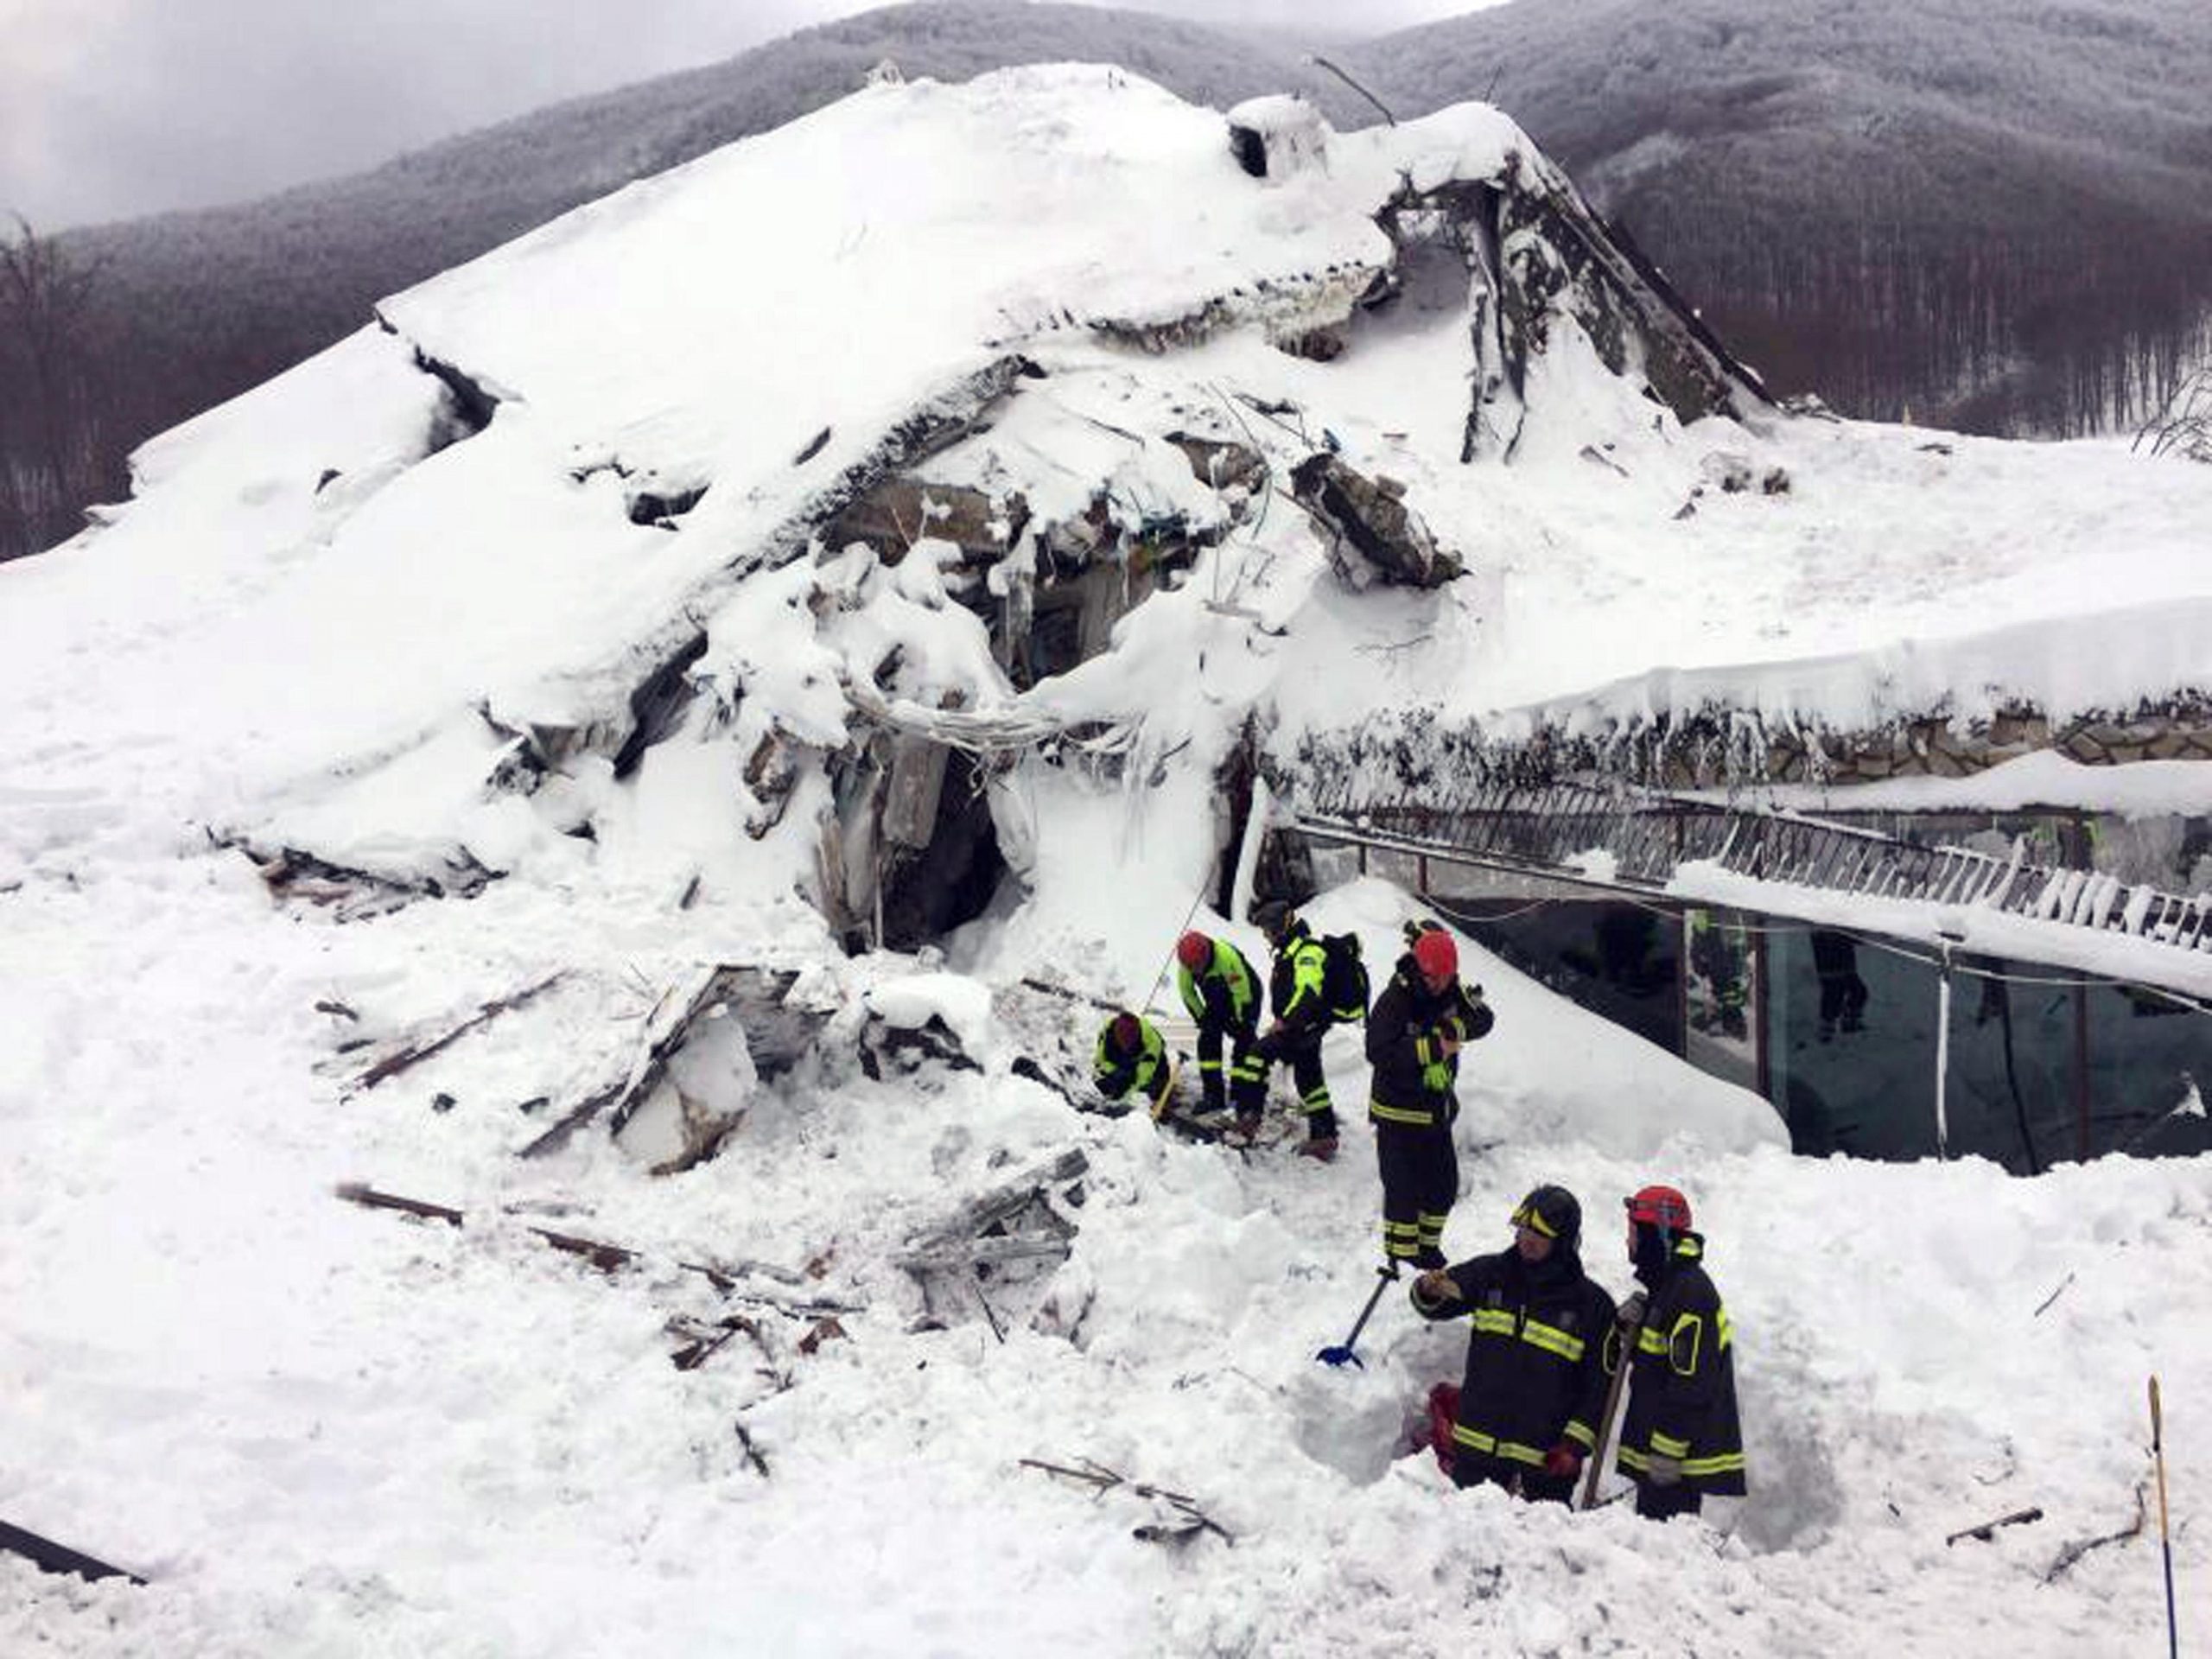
(1166, 1097)
(1629, 1334)
(2159, 1456)
(1341, 1353)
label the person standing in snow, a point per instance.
(1132, 1055)
(1681, 1439)
(1415, 1033)
(1297, 992)
(1222, 994)
(1541, 1347)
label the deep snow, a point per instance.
(322, 1430)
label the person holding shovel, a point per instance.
(1682, 1439)
(1538, 1353)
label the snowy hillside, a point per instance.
(377, 786)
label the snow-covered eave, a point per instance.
(1927, 928)
(1975, 676)
(2045, 782)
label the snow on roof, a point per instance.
(314, 626)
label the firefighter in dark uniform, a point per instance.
(1415, 1033)
(1538, 1355)
(1222, 994)
(1298, 991)
(1131, 1055)
(1681, 1439)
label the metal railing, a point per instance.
(1641, 837)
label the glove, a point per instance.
(1663, 1471)
(1563, 1461)
(1436, 1075)
(1632, 1309)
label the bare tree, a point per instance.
(2183, 427)
(50, 454)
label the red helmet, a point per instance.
(1193, 950)
(1660, 1206)
(1436, 953)
(1127, 1033)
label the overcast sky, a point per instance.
(110, 109)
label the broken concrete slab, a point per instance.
(1369, 518)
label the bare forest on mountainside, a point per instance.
(1991, 214)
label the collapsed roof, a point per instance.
(791, 476)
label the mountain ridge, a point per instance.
(1800, 211)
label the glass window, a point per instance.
(1851, 1033)
(1617, 960)
(2010, 1098)
(1720, 1013)
(2150, 1057)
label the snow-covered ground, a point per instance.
(320, 1429)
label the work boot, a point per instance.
(1430, 1256)
(1322, 1148)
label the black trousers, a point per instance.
(1534, 1485)
(1659, 1502)
(1245, 1076)
(1843, 997)
(1420, 1181)
(1301, 1052)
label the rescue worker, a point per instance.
(1222, 994)
(1297, 991)
(1681, 1439)
(1132, 1055)
(1538, 1354)
(1843, 993)
(1415, 1033)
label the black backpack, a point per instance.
(1344, 978)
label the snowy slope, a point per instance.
(321, 1429)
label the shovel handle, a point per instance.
(1597, 1470)
(1337, 1356)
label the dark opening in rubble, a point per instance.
(1431, 278)
(467, 406)
(655, 705)
(1251, 150)
(929, 891)
(662, 506)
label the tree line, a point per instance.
(57, 428)
(1965, 234)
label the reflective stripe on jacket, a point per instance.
(1413, 1076)
(1682, 1381)
(1225, 993)
(1145, 1070)
(1296, 987)
(1538, 1354)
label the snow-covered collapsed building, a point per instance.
(788, 552)
(686, 675)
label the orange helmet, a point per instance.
(1660, 1206)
